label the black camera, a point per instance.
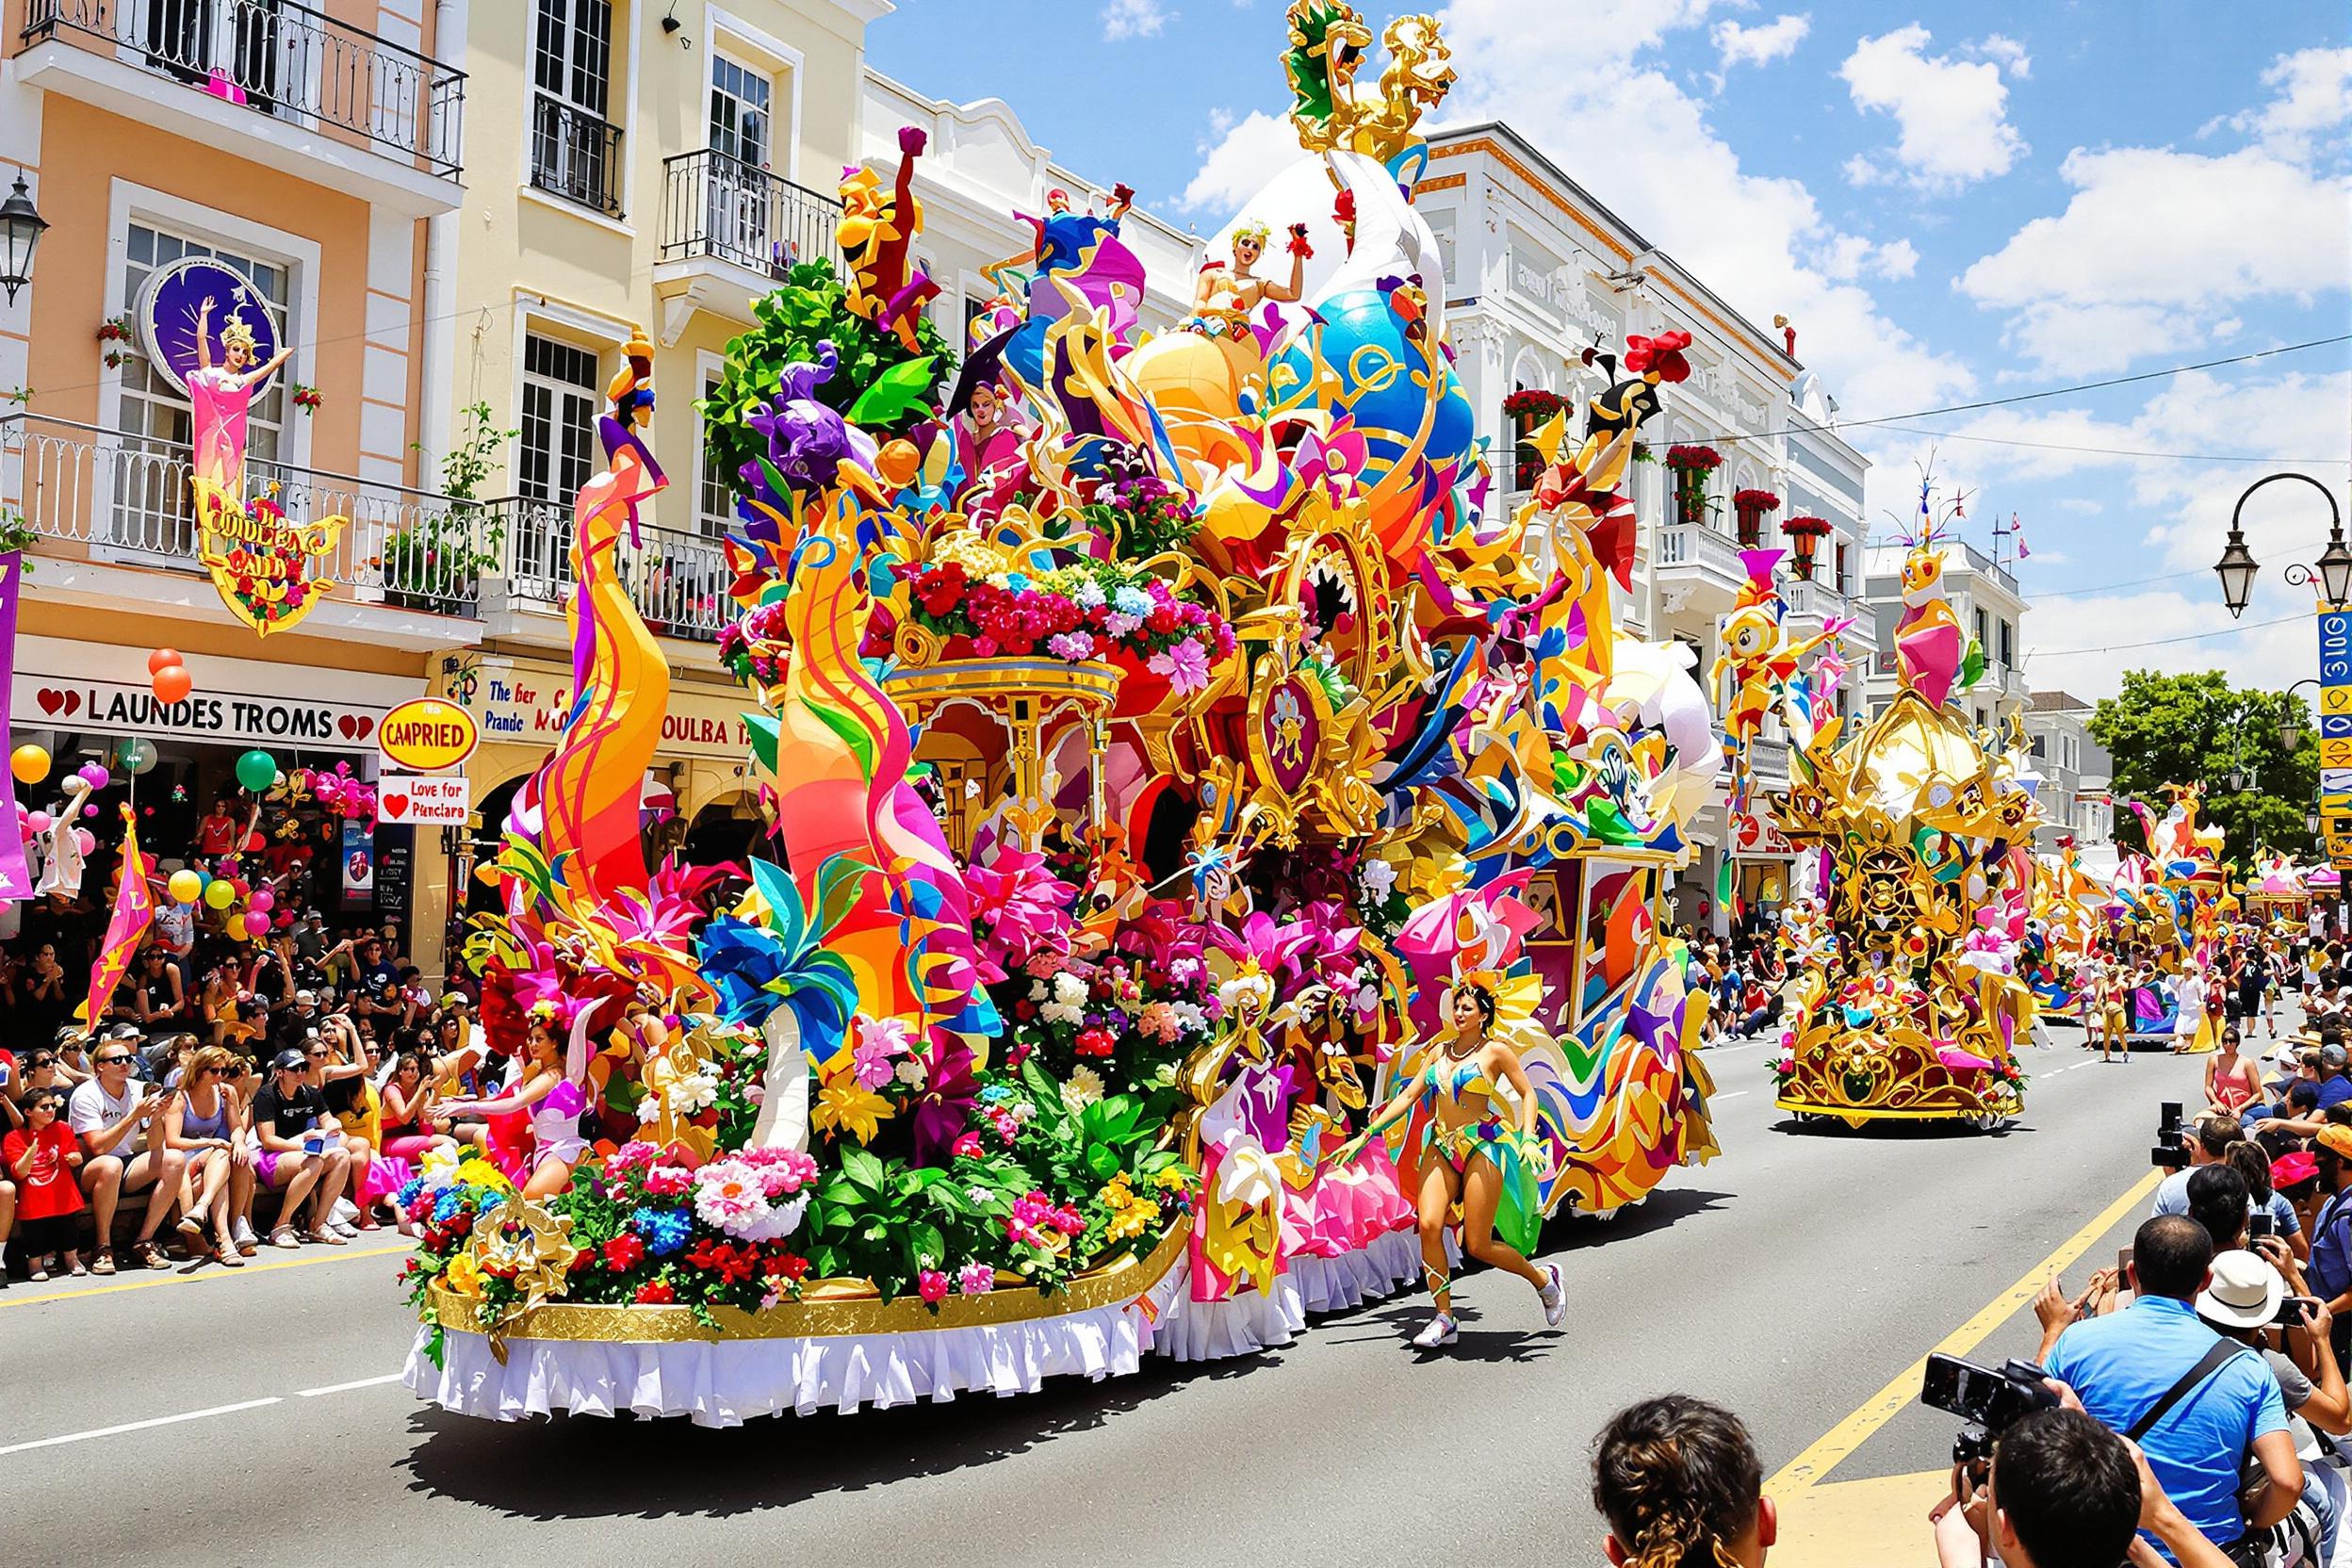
(1985, 1399)
(2259, 1226)
(2172, 1139)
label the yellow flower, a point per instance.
(1131, 1215)
(477, 1172)
(462, 1276)
(440, 1167)
(845, 1104)
(1174, 1178)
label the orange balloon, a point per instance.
(172, 683)
(162, 659)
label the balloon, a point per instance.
(220, 894)
(172, 683)
(240, 883)
(136, 755)
(185, 887)
(163, 658)
(260, 900)
(89, 811)
(94, 775)
(85, 842)
(256, 769)
(29, 764)
(38, 822)
(236, 928)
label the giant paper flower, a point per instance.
(846, 1106)
(1185, 666)
(1661, 355)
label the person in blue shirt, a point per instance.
(2334, 1087)
(2121, 1365)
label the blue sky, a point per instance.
(1953, 201)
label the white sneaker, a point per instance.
(344, 1212)
(242, 1233)
(1441, 1331)
(1554, 1299)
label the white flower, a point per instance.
(1191, 1015)
(1061, 1012)
(1036, 990)
(1183, 969)
(1023, 1113)
(1378, 876)
(1068, 989)
(692, 1091)
(1089, 595)
(911, 1073)
(1084, 1088)
(981, 1194)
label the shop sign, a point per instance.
(2335, 730)
(425, 801)
(520, 703)
(426, 735)
(120, 708)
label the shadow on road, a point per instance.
(590, 1467)
(1895, 1132)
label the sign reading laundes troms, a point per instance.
(118, 707)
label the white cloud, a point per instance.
(2081, 504)
(2091, 639)
(2153, 244)
(1897, 258)
(2008, 51)
(1125, 19)
(1951, 114)
(1238, 160)
(1735, 45)
(2315, 97)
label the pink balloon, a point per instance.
(83, 841)
(89, 811)
(38, 822)
(261, 899)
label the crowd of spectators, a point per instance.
(233, 1095)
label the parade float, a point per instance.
(1909, 1005)
(1154, 726)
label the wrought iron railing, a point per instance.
(717, 205)
(279, 58)
(679, 581)
(575, 154)
(126, 498)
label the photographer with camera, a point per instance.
(2061, 1491)
(2196, 1403)
(2186, 1153)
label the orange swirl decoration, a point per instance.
(592, 784)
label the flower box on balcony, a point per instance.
(1749, 506)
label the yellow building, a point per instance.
(310, 153)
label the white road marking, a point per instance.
(1733, 1094)
(140, 1425)
(345, 1388)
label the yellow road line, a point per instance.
(1809, 1467)
(154, 1279)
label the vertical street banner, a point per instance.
(16, 878)
(2335, 733)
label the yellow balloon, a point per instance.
(236, 928)
(185, 887)
(220, 894)
(29, 764)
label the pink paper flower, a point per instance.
(931, 1285)
(976, 1279)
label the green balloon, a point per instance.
(256, 769)
(136, 755)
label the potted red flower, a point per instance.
(1806, 534)
(1526, 409)
(1690, 466)
(1749, 506)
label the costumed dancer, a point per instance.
(1469, 1156)
(551, 1089)
(1225, 295)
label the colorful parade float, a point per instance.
(1154, 726)
(1910, 1006)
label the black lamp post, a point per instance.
(2237, 565)
(20, 228)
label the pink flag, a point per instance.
(134, 904)
(2016, 531)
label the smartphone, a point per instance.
(2290, 1314)
(2259, 1226)
(2123, 1269)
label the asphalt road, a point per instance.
(1790, 1280)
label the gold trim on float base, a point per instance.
(827, 1309)
(1854, 1116)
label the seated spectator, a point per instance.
(2219, 1201)
(2284, 1126)
(2296, 1178)
(41, 1158)
(2335, 1088)
(1680, 1484)
(2209, 1145)
(301, 1150)
(2122, 1365)
(2064, 1492)
(114, 1116)
(2250, 1161)
(203, 1122)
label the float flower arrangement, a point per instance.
(1089, 610)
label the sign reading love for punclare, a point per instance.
(120, 708)
(425, 801)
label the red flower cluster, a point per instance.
(1702, 459)
(656, 1293)
(735, 1261)
(1661, 356)
(1755, 500)
(1019, 621)
(624, 1251)
(1532, 404)
(939, 589)
(1094, 1042)
(1817, 526)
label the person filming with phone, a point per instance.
(2200, 1406)
(115, 1117)
(2247, 1298)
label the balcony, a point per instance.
(119, 509)
(731, 232)
(1697, 568)
(679, 581)
(575, 154)
(271, 81)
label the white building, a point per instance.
(2075, 769)
(1536, 271)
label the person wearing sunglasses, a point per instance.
(115, 1117)
(302, 1150)
(202, 1121)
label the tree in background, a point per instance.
(2164, 729)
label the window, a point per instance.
(1842, 568)
(557, 453)
(573, 151)
(741, 215)
(714, 494)
(193, 39)
(1982, 625)
(2005, 632)
(152, 508)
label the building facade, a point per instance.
(1536, 271)
(301, 158)
(2075, 769)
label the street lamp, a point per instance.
(2291, 719)
(20, 228)
(2237, 565)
